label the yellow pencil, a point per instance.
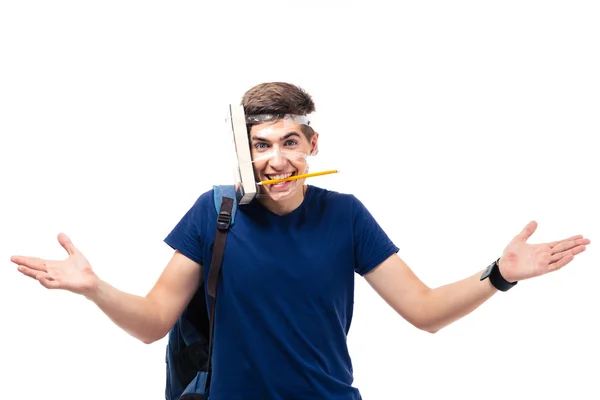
(291, 178)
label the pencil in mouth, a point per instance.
(295, 176)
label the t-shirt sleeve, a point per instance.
(187, 236)
(372, 245)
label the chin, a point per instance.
(282, 192)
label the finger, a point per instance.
(48, 282)
(552, 244)
(32, 273)
(527, 231)
(571, 252)
(570, 244)
(66, 243)
(562, 262)
(30, 262)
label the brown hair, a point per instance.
(278, 98)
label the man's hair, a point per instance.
(278, 98)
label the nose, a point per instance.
(277, 160)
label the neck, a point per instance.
(285, 206)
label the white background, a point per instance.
(454, 122)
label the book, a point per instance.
(245, 181)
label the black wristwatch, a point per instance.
(493, 272)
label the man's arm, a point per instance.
(151, 317)
(433, 309)
(147, 318)
(425, 308)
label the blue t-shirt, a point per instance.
(286, 293)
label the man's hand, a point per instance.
(522, 260)
(73, 274)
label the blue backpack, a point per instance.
(189, 348)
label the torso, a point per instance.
(286, 293)
(285, 304)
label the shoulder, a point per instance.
(322, 194)
(205, 202)
(330, 206)
(332, 198)
(344, 205)
(201, 210)
(189, 233)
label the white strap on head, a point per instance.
(300, 119)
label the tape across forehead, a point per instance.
(262, 118)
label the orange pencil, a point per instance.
(291, 178)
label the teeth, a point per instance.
(280, 176)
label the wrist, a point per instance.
(494, 274)
(95, 291)
(503, 273)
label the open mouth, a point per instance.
(280, 185)
(280, 176)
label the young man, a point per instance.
(285, 297)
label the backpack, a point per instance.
(189, 347)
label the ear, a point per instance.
(314, 144)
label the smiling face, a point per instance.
(279, 150)
(277, 120)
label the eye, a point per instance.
(260, 145)
(291, 142)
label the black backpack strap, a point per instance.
(223, 225)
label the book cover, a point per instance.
(245, 181)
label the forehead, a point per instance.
(277, 130)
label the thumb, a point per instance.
(527, 231)
(66, 243)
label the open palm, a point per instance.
(74, 273)
(522, 260)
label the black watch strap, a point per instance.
(496, 279)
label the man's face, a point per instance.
(279, 150)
